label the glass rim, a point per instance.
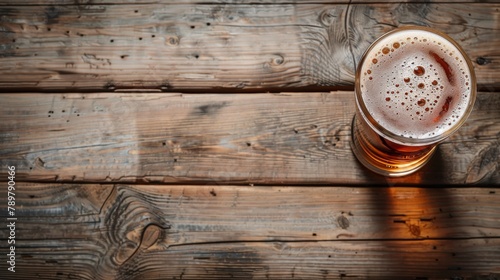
(377, 127)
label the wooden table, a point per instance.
(207, 140)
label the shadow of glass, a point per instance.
(425, 229)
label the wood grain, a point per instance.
(95, 231)
(232, 2)
(287, 138)
(122, 176)
(190, 47)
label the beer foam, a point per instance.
(415, 84)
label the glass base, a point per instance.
(390, 164)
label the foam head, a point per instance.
(415, 84)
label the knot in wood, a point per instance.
(278, 60)
(150, 236)
(326, 17)
(343, 222)
(414, 229)
(172, 41)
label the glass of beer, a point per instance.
(415, 86)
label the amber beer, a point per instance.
(415, 86)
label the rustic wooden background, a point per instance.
(210, 140)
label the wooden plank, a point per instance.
(287, 138)
(185, 47)
(321, 260)
(214, 2)
(161, 232)
(454, 259)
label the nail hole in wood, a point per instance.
(482, 60)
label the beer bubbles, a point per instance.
(415, 85)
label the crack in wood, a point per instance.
(95, 62)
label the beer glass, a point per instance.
(415, 86)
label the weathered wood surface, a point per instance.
(287, 138)
(180, 47)
(232, 2)
(95, 231)
(224, 206)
